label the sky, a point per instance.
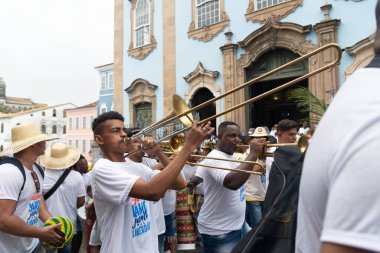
(49, 48)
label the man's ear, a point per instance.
(98, 139)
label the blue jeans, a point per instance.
(161, 243)
(170, 224)
(253, 212)
(66, 249)
(223, 243)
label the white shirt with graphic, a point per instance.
(157, 205)
(223, 209)
(63, 202)
(27, 208)
(127, 224)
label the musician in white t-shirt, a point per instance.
(123, 193)
(222, 216)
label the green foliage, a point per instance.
(307, 103)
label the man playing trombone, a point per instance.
(222, 216)
(121, 192)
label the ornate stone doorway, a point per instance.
(276, 107)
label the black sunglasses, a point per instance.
(36, 181)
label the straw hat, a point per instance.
(260, 132)
(24, 136)
(60, 157)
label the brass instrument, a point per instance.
(223, 168)
(301, 144)
(184, 113)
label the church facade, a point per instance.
(199, 49)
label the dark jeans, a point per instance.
(253, 212)
(223, 243)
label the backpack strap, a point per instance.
(57, 184)
(14, 161)
(41, 170)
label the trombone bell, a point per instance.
(175, 143)
(180, 107)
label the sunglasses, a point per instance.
(36, 181)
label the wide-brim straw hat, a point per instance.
(24, 136)
(260, 132)
(59, 157)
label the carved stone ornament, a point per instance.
(141, 52)
(362, 53)
(273, 13)
(141, 91)
(274, 35)
(201, 78)
(207, 33)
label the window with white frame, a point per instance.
(262, 4)
(207, 12)
(77, 123)
(70, 142)
(70, 123)
(110, 80)
(77, 143)
(142, 30)
(103, 81)
(84, 121)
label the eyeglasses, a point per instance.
(36, 181)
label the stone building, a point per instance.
(200, 49)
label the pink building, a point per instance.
(78, 128)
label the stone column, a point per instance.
(169, 60)
(118, 91)
(326, 83)
(229, 52)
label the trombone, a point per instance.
(184, 113)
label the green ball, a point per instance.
(67, 228)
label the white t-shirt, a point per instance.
(27, 208)
(303, 130)
(87, 178)
(127, 224)
(63, 202)
(223, 209)
(157, 205)
(340, 185)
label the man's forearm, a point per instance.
(15, 226)
(234, 180)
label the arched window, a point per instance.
(2, 127)
(142, 32)
(64, 129)
(43, 113)
(54, 129)
(1, 148)
(43, 129)
(54, 113)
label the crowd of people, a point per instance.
(228, 194)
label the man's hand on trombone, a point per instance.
(197, 134)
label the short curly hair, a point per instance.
(98, 122)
